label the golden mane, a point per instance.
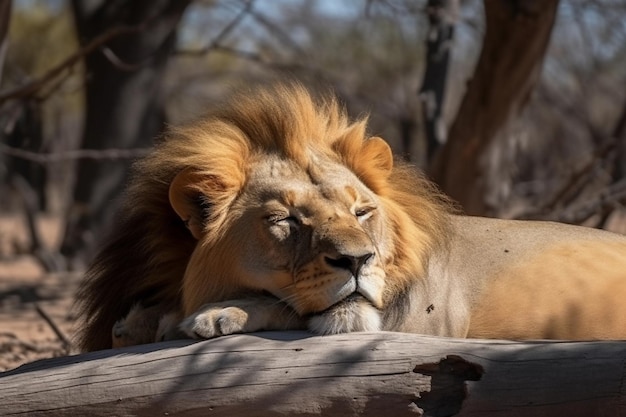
(145, 259)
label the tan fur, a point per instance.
(569, 290)
(277, 212)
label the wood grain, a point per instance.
(294, 373)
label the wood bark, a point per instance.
(294, 373)
(516, 38)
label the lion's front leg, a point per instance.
(138, 327)
(241, 316)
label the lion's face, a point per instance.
(313, 237)
(310, 237)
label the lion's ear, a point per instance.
(377, 153)
(186, 200)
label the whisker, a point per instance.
(291, 285)
(293, 301)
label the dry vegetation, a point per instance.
(34, 305)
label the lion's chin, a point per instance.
(353, 314)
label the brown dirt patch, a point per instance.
(34, 305)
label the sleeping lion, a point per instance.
(277, 212)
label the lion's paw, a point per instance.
(121, 335)
(215, 321)
(136, 328)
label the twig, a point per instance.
(47, 158)
(16, 341)
(49, 260)
(220, 36)
(609, 198)
(67, 344)
(277, 31)
(581, 178)
(122, 65)
(613, 195)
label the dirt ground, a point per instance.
(36, 318)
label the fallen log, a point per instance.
(294, 373)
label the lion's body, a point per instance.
(534, 280)
(276, 212)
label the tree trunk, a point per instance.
(516, 38)
(442, 16)
(27, 134)
(294, 373)
(124, 102)
(5, 19)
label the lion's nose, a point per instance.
(349, 262)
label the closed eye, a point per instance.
(283, 218)
(364, 212)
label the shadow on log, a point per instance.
(295, 373)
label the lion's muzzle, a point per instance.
(349, 262)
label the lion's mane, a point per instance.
(145, 258)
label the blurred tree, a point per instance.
(369, 51)
(516, 38)
(556, 160)
(5, 16)
(124, 102)
(367, 54)
(48, 32)
(442, 16)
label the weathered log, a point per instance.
(294, 373)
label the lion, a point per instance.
(277, 211)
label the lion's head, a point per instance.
(279, 193)
(286, 196)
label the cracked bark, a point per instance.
(448, 385)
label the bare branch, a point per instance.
(579, 180)
(220, 36)
(564, 204)
(30, 89)
(277, 31)
(120, 64)
(49, 260)
(48, 158)
(609, 199)
(67, 344)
